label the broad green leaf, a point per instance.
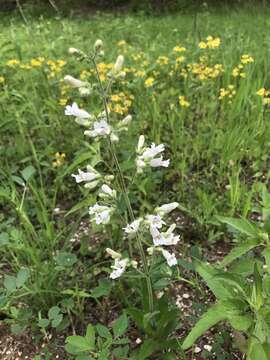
(103, 289)
(4, 238)
(22, 277)
(66, 259)
(120, 325)
(241, 322)
(214, 314)
(28, 172)
(259, 352)
(90, 335)
(79, 343)
(43, 323)
(10, 283)
(148, 348)
(242, 225)
(208, 273)
(53, 312)
(103, 331)
(57, 320)
(266, 254)
(238, 251)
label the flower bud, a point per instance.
(109, 178)
(84, 91)
(150, 250)
(126, 120)
(98, 45)
(118, 64)
(140, 143)
(73, 82)
(113, 254)
(74, 51)
(134, 264)
(114, 137)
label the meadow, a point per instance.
(197, 84)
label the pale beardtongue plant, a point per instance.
(149, 234)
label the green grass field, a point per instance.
(199, 97)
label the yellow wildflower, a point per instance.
(183, 102)
(202, 45)
(13, 62)
(63, 102)
(177, 49)
(246, 59)
(149, 82)
(2, 79)
(261, 92)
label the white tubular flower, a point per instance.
(140, 143)
(140, 164)
(158, 162)
(85, 176)
(155, 221)
(126, 121)
(132, 228)
(119, 268)
(118, 64)
(166, 208)
(74, 110)
(73, 82)
(106, 191)
(101, 128)
(101, 214)
(147, 156)
(98, 45)
(113, 254)
(152, 151)
(157, 236)
(170, 257)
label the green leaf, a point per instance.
(208, 273)
(214, 314)
(148, 348)
(57, 320)
(53, 312)
(66, 259)
(79, 343)
(103, 289)
(4, 239)
(238, 251)
(259, 352)
(120, 325)
(28, 172)
(266, 254)
(43, 323)
(241, 322)
(242, 225)
(10, 283)
(22, 277)
(103, 331)
(90, 335)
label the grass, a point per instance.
(219, 149)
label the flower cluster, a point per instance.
(150, 156)
(228, 92)
(210, 43)
(265, 94)
(183, 102)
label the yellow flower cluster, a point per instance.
(52, 67)
(55, 67)
(210, 43)
(2, 79)
(179, 49)
(246, 59)
(162, 60)
(59, 159)
(103, 70)
(183, 102)
(13, 62)
(120, 103)
(149, 82)
(228, 92)
(265, 94)
(239, 69)
(204, 72)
